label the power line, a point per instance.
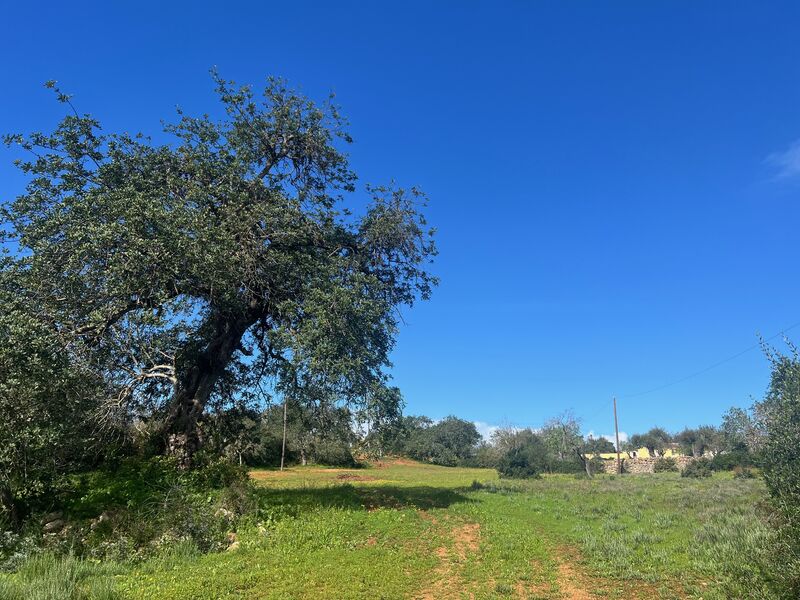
(713, 366)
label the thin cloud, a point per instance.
(623, 437)
(485, 429)
(787, 162)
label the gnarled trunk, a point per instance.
(201, 369)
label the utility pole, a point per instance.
(283, 446)
(616, 435)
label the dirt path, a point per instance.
(572, 584)
(569, 582)
(448, 582)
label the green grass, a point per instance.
(406, 530)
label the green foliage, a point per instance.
(741, 431)
(189, 272)
(655, 441)
(728, 461)
(780, 411)
(47, 403)
(562, 436)
(137, 507)
(698, 442)
(383, 418)
(51, 577)
(743, 473)
(598, 446)
(524, 457)
(449, 442)
(487, 456)
(698, 468)
(665, 465)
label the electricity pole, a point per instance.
(283, 445)
(616, 435)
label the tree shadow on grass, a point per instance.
(347, 496)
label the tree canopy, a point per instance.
(216, 266)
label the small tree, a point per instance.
(701, 441)
(449, 442)
(524, 456)
(561, 435)
(741, 431)
(600, 445)
(780, 411)
(655, 441)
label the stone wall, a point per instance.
(642, 465)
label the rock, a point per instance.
(53, 516)
(233, 542)
(104, 516)
(223, 512)
(53, 526)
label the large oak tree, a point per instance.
(196, 269)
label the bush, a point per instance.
(526, 459)
(45, 407)
(665, 465)
(698, 468)
(138, 509)
(743, 473)
(334, 453)
(450, 442)
(567, 466)
(780, 412)
(216, 473)
(728, 461)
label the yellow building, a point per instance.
(640, 453)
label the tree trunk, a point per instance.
(8, 502)
(202, 367)
(587, 464)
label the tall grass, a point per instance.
(50, 577)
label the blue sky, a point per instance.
(616, 185)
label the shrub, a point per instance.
(528, 458)
(334, 453)
(45, 403)
(216, 473)
(665, 465)
(780, 412)
(743, 473)
(449, 442)
(698, 468)
(142, 507)
(568, 466)
(728, 461)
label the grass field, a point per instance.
(406, 530)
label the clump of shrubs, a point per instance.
(729, 461)
(698, 469)
(665, 464)
(743, 473)
(520, 463)
(137, 508)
